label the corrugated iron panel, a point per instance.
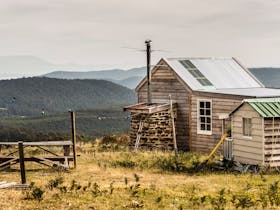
(255, 92)
(266, 107)
(223, 73)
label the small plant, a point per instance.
(137, 178)
(219, 202)
(87, 186)
(37, 193)
(194, 199)
(96, 190)
(274, 194)
(124, 163)
(34, 193)
(126, 181)
(75, 185)
(55, 183)
(134, 189)
(158, 199)
(111, 187)
(242, 201)
(63, 189)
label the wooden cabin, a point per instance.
(256, 132)
(205, 90)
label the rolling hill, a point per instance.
(127, 78)
(28, 96)
(270, 77)
(114, 74)
(32, 65)
(26, 66)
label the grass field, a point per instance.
(109, 176)
(90, 124)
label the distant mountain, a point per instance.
(19, 66)
(130, 82)
(114, 74)
(128, 78)
(270, 77)
(28, 96)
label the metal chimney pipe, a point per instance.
(148, 51)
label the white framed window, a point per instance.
(204, 116)
(247, 126)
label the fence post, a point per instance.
(21, 161)
(73, 123)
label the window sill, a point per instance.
(209, 133)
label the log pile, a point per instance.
(157, 130)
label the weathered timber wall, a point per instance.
(246, 149)
(157, 130)
(221, 104)
(164, 83)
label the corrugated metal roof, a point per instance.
(223, 73)
(266, 107)
(254, 92)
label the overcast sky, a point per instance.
(100, 32)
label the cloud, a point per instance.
(94, 31)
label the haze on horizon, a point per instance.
(100, 33)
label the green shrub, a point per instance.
(124, 163)
(34, 193)
(274, 194)
(54, 183)
(37, 193)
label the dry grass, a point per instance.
(100, 183)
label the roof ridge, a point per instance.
(207, 57)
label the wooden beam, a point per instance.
(73, 123)
(132, 106)
(21, 161)
(173, 129)
(5, 163)
(33, 158)
(48, 151)
(48, 162)
(39, 143)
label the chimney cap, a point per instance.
(148, 41)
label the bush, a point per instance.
(34, 193)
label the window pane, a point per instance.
(247, 126)
(202, 127)
(208, 120)
(208, 112)
(202, 119)
(202, 112)
(208, 127)
(202, 81)
(201, 104)
(208, 104)
(195, 73)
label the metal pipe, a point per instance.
(148, 51)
